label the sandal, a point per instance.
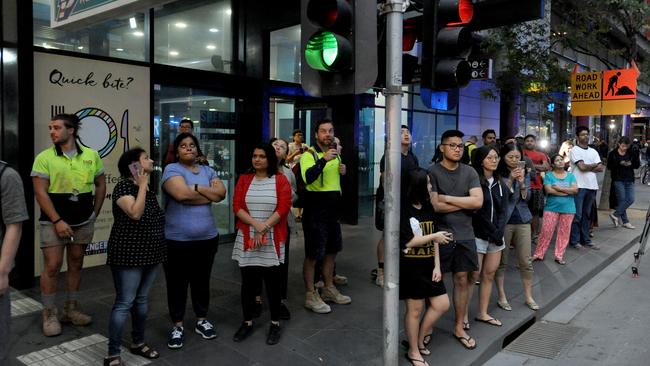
(465, 325)
(504, 305)
(491, 321)
(145, 351)
(425, 342)
(532, 305)
(424, 351)
(413, 360)
(465, 341)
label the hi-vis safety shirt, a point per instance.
(71, 181)
(323, 185)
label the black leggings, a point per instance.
(189, 263)
(251, 283)
(284, 271)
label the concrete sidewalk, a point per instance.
(350, 334)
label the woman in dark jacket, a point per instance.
(517, 231)
(489, 223)
(621, 163)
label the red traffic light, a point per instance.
(330, 14)
(456, 12)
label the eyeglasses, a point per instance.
(454, 146)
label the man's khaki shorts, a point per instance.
(82, 235)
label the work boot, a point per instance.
(314, 303)
(71, 314)
(379, 280)
(333, 294)
(51, 324)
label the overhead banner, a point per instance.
(611, 92)
(112, 101)
(80, 13)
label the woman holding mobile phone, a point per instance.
(420, 275)
(136, 247)
(518, 230)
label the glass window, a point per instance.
(283, 118)
(285, 55)
(215, 124)
(195, 35)
(123, 37)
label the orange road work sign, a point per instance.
(610, 92)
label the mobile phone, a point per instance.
(333, 145)
(521, 164)
(135, 169)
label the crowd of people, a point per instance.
(461, 216)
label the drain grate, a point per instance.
(544, 339)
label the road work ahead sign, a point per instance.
(610, 92)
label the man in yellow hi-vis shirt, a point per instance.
(64, 176)
(321, 170)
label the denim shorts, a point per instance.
(484, 247)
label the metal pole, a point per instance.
(393, 92)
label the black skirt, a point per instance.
(415, 280)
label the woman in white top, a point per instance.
(261, 203)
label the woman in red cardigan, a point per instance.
(261, 203)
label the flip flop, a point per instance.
(491, 321)
(504, 305)
(413, 360)
(425, 341)
(465, 325)
(424, 351)
(466, 341)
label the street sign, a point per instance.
(481, 69)
(610, 92)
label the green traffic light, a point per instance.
(328, 51)
(321, 51)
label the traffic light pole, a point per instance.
(394, 11)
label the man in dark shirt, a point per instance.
(456, 192)
(409, 163)
(14, 212)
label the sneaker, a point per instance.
(614, 219)
(319, 284)
(332, 294)
(257, 310)
(593, 246)
(627, 225)
(243, 332)
(72, 314)
(205, 329)
(340, 280)
(51, 324)
(379, 280)
(314, 303)
(577, 246)
(284, 311)
(274, 334)
(176, 338)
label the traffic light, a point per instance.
(339, 49)
(447, 41)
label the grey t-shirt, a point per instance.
(455, 183)
(14, 209)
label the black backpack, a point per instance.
(301, 185)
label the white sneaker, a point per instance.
(627, 225)
(379, 281)
(319, 284)
(614, 219)
(314, 303)
(340, 280)
(332, 294)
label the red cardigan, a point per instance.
(283, 195)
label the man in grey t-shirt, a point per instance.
(456, 193)
(14, 212)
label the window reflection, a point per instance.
(194, 35)
(285, 55)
